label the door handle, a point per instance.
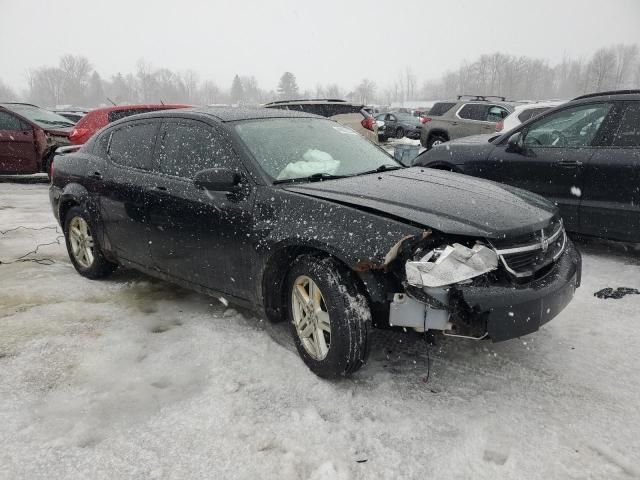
(96, 175)
(161, 188)
(569, 163)
(454, 123)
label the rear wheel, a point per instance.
(434, 140)
(329, 320)
(83, 248)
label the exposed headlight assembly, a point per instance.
(451, 264)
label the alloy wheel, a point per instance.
(81, 242)
(310, 317)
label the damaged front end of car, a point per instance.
(482, 288)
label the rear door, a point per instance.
(125, 193)
(17, 145)
(610, 204)
(199, 235)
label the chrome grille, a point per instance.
(524, 260)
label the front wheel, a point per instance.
(84, 251)
(399, 133)
(329, 320)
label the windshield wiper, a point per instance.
(316, 177)
(381, 168)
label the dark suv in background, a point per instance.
(583, 155)
(461, 118)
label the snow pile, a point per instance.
(135, 378)
(313, 161)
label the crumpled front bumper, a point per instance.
(514, 311)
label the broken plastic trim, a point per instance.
(453, 264)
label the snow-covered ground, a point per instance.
(136, 378)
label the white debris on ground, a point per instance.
(135, 378)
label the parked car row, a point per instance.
(30, 135)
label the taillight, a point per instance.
(368, 123)
(499, 126)
(77, 134)
(425, 119)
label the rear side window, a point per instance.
(132, 145)
(474, 111)
(188, 147)
(628, 134)
(119, 114)
(441, 108)
(9, 122)
(341, 109)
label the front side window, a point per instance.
(188, 147)
(571, 127)
(9, 122)
(289, 148)
(530, 113)
(628, 134)
(132, 145)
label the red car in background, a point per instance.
(100, 117)
(29, 137)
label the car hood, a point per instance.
(449, 202)
(456, 152)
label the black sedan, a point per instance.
(299, 217)
(583, 155)
(399, 125)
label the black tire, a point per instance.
(382, 138)
(100, 267)
(399, 132)
(435, 138)
(349, 316)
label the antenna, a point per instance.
(112, 102)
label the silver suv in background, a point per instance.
(476, 115)
(356, 116)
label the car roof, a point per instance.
(8, 104)
(228, 114)
(118, 108)
(530, 106)
(623, 94)
(307, 101)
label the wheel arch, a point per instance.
(279, 263)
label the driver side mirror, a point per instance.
(515, 144)
(218, 180)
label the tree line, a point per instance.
(74, 81)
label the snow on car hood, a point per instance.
(449, 202)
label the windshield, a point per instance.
(289, 148)
(39, 116)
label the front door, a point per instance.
(17, 146)
(552, 160)
(611, 195)
(198, 235)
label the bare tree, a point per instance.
(6, 93)
(365, 91)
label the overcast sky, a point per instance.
(320, 42)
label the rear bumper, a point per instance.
(54, 198)
(514, 311)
